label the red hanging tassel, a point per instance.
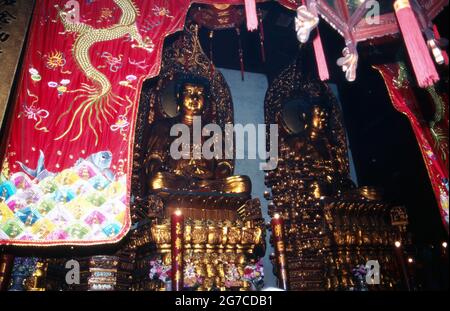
(437, 35)
(252, 16)
(261, 37)
(421, 60)
(211, 56)
(321, 61)
(241, 53)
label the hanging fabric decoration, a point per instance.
(306, 21)
(432, 138)
(319, 52)
(211, 52)
(251, 14)
(419, 55)
(321, 61)
(261, 36)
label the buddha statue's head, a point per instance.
(305, 118)
(193, 98)
(192, 94)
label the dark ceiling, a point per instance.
(384, 148)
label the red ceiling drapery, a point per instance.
(432, 140)
(66, 174)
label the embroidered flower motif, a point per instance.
(55, 60)
(36, 114)
(35, 76)
(122, 124)
(61, 86)
(129, 81)
(106, 14)
(163, 12)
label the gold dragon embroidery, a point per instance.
(98, 98)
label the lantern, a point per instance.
(362, 20)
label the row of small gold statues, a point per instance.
(202, 234)
(341, 263)
(360, 223)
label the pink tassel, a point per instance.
(252, 16)
(322, 66)
(321, 61)
(421, 60)
(438, 37)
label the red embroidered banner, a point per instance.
(66, 174)
(432, 138)
(68, 162)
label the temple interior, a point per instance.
(350, 195)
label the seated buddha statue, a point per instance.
(310, 135)
(312, 139)
(191, 179)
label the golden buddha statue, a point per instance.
(36, 282)
(191, 179)
(311, 139)
(223, 226)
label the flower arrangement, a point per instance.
(160, 271)
(359, 274)
(254, 274)
(232, 276)
(192, 279)
(360, 271)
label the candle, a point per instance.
(280, 250)
(177, 232)
(6, 265)
(401, 262)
